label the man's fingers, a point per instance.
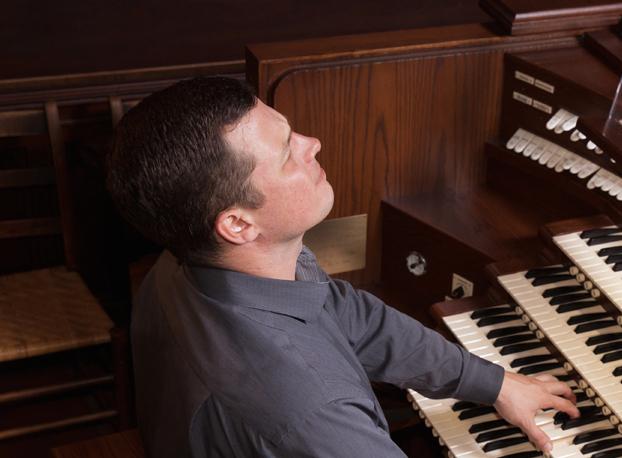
(545, 378)
(561, 389)
(538, 437)
(564, 405)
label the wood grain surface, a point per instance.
(396, 122)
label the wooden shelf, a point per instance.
(520, 17)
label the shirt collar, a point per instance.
(299, 299)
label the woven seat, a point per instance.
(50, 314)
(47, 311)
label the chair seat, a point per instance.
(47, 311)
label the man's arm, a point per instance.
(392, 345)
(396, 348)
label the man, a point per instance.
(242, 345)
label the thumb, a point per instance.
(538, 437)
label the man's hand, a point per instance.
(521, 397)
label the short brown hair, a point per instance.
(170, 170)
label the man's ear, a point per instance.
(236, 226)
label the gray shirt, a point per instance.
(229, 364)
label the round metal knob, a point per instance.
(416, 263)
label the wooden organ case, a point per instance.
(466, 146)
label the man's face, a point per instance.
(297, 195)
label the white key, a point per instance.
(514, 139)
(588, 169)
(596, 180)
(575, 136)
(556, 158)
(570, 124)
(578, 165)
(523, 142)
(560, 117)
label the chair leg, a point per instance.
(121, 362)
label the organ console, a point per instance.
(562, 319)
(563, 314)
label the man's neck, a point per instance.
(264, 260)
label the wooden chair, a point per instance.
(125, 444)
(51, 310)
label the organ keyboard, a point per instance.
(597, 254)
(562, 319)
(559, 308)
(500, 335)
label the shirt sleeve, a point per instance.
(343, 428)
(398, 349)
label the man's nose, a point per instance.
(314, 147)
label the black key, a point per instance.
(476, 412)
(544, 271)
(565, 378)
(607, 347)
(510, 330)
(582, 421)
(526, 360)
(604, 239)
(491, 311)
(612, 250)
(487, 321)
(591, 233)
(507, 340)
(503, 443)
(463, 405)
(539, 281)
(530, 454)
(575, 306)
(617, 267)
(617, 371)
(569, 298)
(601, 445)
(527, 370)
(593, 326)
(613, 453)
(586, 318)
(590, 436)
(497, 434)
(613, 259)
(602, 338)
(585, 411)
(581, 396)
(613, 356)
(487, 425)
(560, 290)
(517, 348)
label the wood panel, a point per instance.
(393, 120)
(74, 37)
(534, 16)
